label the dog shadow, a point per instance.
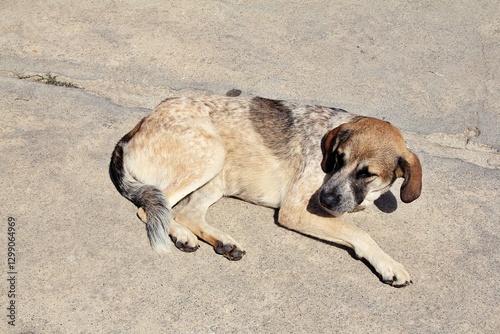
(387, 202)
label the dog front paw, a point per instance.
(184, 245)
(393, 273)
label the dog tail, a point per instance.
(148, 197)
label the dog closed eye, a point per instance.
(365, 174)
(339, 161)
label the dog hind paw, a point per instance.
(231, 252)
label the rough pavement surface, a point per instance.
(82, 260)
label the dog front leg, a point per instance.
(335, 230)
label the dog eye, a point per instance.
(364, 174)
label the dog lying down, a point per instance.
(314, 163)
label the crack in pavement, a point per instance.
(455, 146)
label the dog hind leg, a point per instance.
(193, 217)
(178, 162)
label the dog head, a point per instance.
(362, 159)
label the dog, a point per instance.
(313, 163)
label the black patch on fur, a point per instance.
(359, 191)
(116, 168)
(125, 139)
(273, 120)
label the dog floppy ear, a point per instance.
(329, 145)
(410, 169)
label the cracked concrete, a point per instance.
(83, 262)
(455, 146)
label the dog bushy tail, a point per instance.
(148, 197)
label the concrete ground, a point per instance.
(82, 260)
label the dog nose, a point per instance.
(328, 200)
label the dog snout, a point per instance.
(339, 199)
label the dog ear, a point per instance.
(410, 169)
(329, 145)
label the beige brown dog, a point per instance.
(313, 163)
